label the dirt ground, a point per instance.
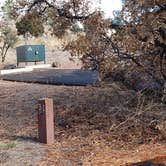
(83, 133)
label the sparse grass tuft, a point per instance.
(9, 145)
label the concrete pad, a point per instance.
(14, 71)
(71, 77)
(39, 66)
(25, 69)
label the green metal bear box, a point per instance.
(30, 53)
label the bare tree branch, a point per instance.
(60, 11)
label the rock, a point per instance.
(55, 64)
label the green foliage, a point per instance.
(7, 10)
(8, 39)
(8, 145)
(31, 23)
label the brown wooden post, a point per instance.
(46, 121)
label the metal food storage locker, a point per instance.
(30, 53)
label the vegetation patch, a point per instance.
(8, 145)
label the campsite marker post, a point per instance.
(46, 121)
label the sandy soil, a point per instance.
(82, 124)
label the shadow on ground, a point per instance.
(158, 161)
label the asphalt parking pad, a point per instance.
(56, 77)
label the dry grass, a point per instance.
(142, 122)
(93, 126)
